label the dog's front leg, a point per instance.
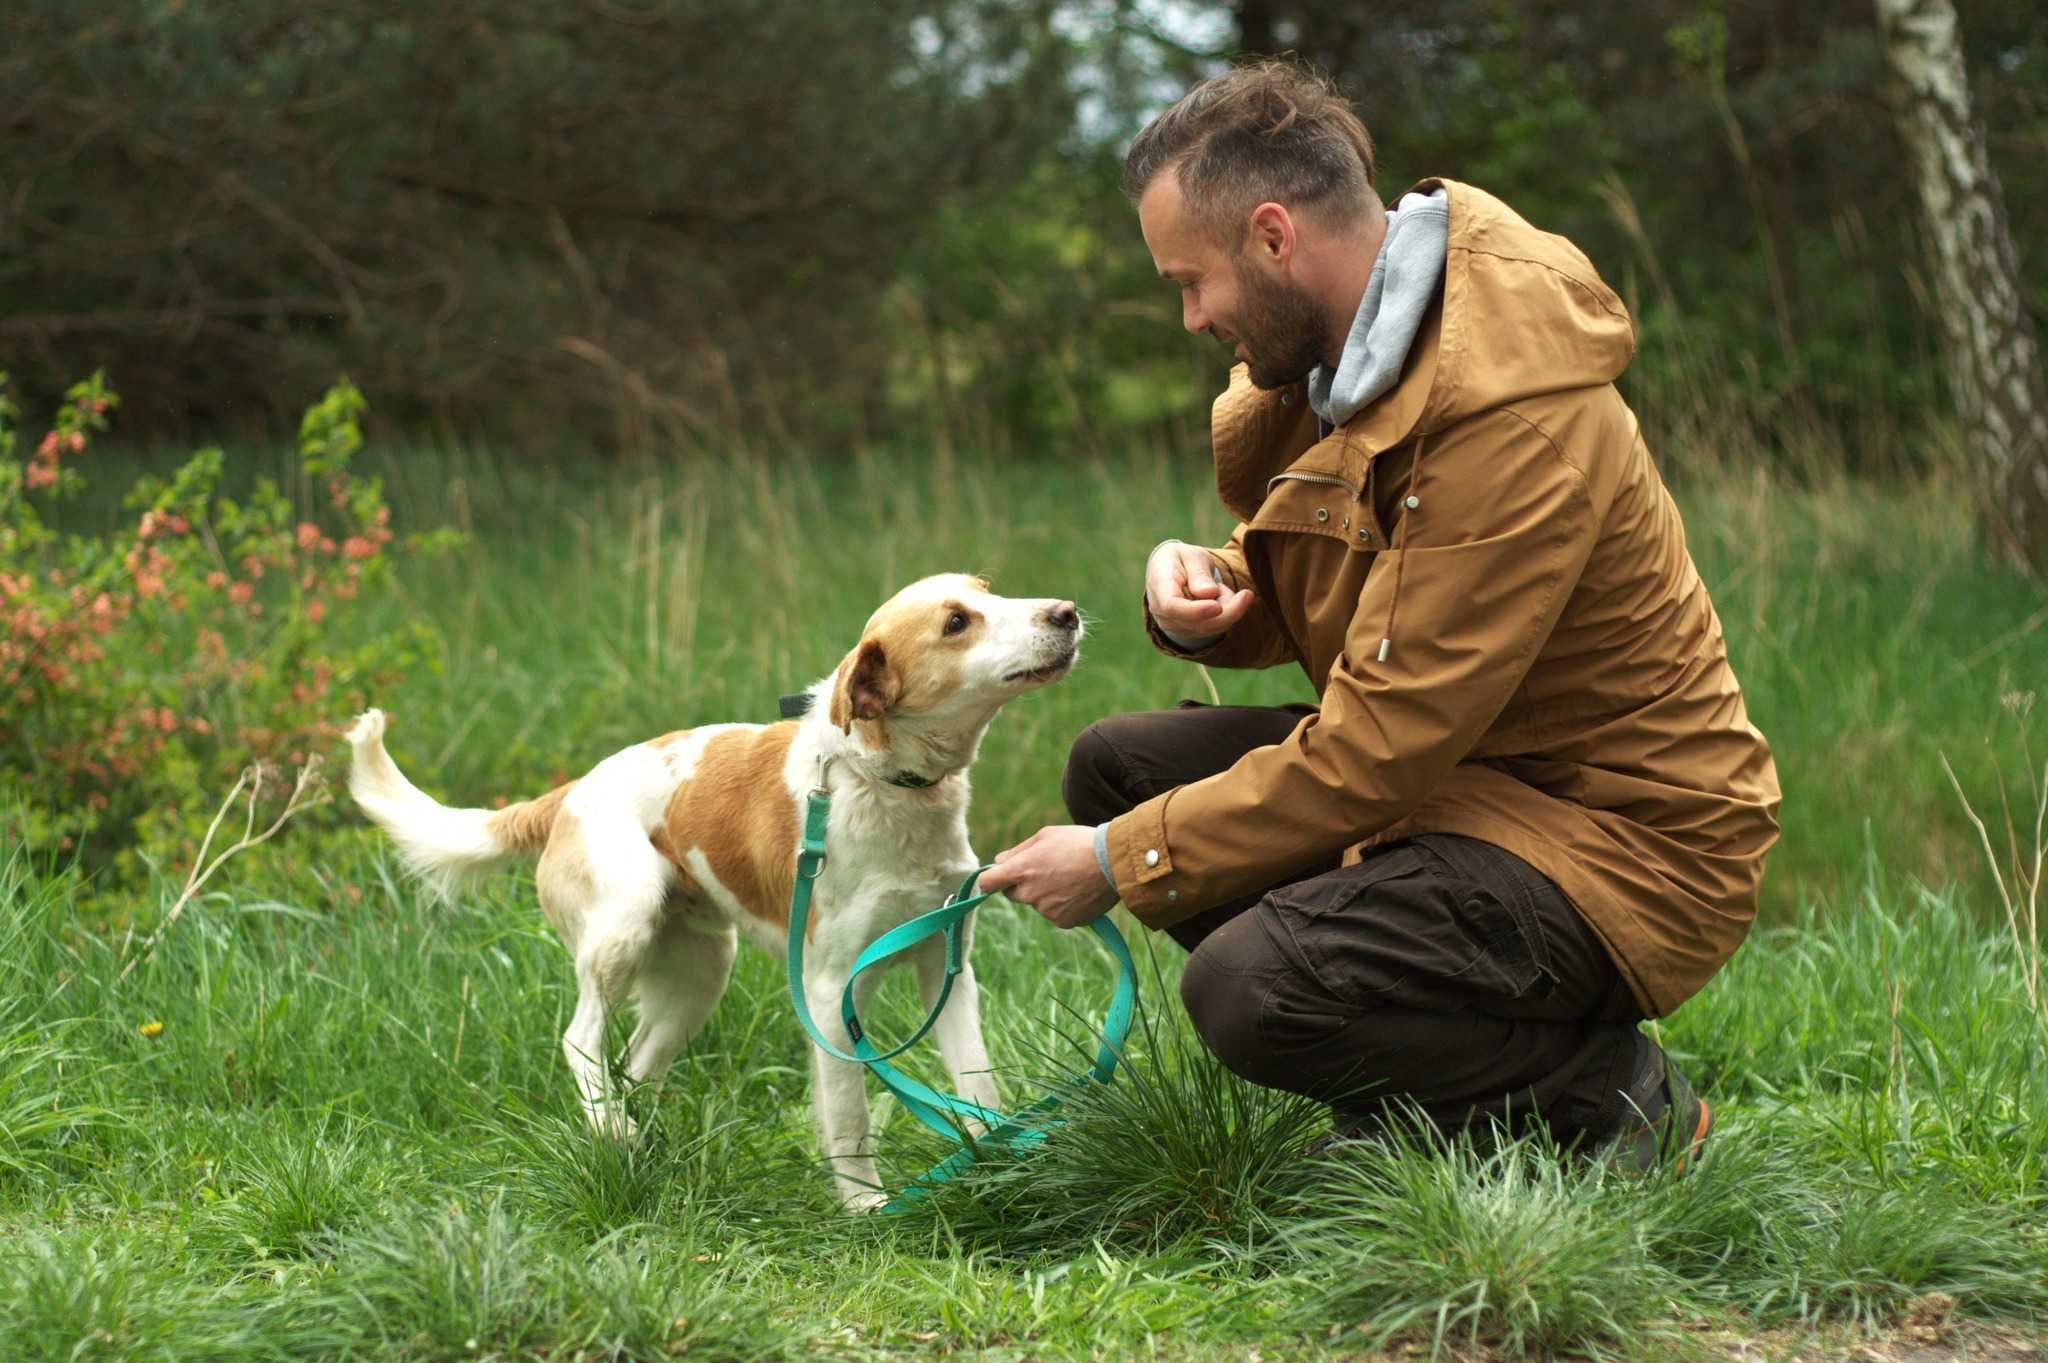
(839, 1096)
(958, 1030)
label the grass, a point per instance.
(352, 1136)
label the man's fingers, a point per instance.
(1189, 617)
(995, 879)
(1234, 606)
(1180, 577)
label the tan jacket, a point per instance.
(1487, 583)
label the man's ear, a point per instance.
(1270, 233)
(866, 688)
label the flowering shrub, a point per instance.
(141, 669)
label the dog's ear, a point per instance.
(866, 688)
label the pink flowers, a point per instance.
(41, 472)
(94, 630)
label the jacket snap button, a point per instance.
(1287, 399)
(1172, 895)
(1412, 503)
(1151, 856)
(1365, 535)
(1322, 513)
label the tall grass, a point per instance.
(348, 1133)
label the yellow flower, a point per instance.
(151, 1028)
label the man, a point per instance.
(1529, 809)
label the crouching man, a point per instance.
(1529, 809)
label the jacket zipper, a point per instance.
(1312, 478)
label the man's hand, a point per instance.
(1055, 872)
(1185, 595)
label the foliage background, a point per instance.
(807, 275)
(690, 219)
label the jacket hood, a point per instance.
(1521, 313)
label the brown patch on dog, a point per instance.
(526, 825)
(736, 811)
(869, 684)
(905, 661)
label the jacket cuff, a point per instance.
(1142, 864)
(1188, 643)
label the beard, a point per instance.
(1282, 331)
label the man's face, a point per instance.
(1242, 297)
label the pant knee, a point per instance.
(1225, 1002)
(1094, 785)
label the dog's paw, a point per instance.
(610, 1122)
(368, 728)
(866, 1201)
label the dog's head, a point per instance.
(946, 645)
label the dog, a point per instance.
(653, 863)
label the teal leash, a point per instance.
(944, 1113)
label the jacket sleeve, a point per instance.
(1255, 641)
(1488, 570)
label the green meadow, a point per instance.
(327, 1117)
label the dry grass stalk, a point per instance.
(307, 792)
(2018, 874)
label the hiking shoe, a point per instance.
(1669, 1132)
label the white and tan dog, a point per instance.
(654, 862)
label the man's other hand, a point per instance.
(1055, 872)
(1186, 596)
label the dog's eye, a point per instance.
(956, 622)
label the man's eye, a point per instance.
(955, 623)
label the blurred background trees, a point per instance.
(627, 223)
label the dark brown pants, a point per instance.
(1442, 971)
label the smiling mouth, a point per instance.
(1046, 673)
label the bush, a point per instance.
(144, 665)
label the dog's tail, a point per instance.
(446, 847)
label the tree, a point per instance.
(593, 222)
(1993, 357)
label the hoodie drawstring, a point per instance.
(1411, 504)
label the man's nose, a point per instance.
(1191, 317)
(1063, 615)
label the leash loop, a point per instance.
(944, 1113)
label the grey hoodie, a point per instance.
(1404, 278)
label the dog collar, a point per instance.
(797, 704)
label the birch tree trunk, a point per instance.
(1992, 356)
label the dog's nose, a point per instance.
(1063, 615)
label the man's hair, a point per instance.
(1272, 129)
